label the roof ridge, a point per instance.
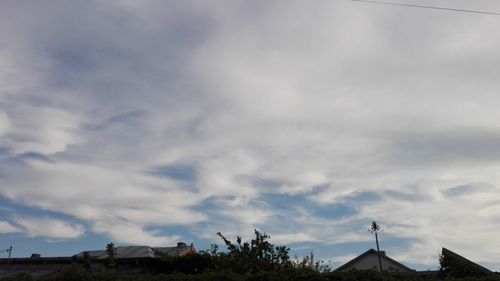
(462, 257)
(372, 251)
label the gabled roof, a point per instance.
(452, 254)
(134, 252)
(372, 251)
(122, 252)
(92, 254)
(175, 251)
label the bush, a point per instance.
(18, 277)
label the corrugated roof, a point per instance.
(132, 252)
(92, 254)
(126, 252)
(172, 251)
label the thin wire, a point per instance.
(427, 7)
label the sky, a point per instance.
(151, 122)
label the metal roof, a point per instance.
(133, 252)
(173, 251)
(92, 254)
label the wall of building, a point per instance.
(370, 261)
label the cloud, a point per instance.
(7, 227)
(104, 197)
(49, 228)
(288, 238)
(4, 123)
(42, 130)
(466, 189)
(138, 119)
(132, 233)
(345, 258)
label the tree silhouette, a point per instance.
(111, 251)
(257, 255)
(375, 228)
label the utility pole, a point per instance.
(374, 229)
(10, 254)
(312, 259)
(9, 250)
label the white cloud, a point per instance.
(105, 197)
(288, 238)
(345, 258)
(324, 100)
(132, 233)
(246, 216)
(49, 228)
(7, 227)
(4, 123)
(42, 130)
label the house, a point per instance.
(130, 259)
(369, 260)
(456, 265)
(139, 252)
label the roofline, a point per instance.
(67, 260)
(369, 252)
(461, 257)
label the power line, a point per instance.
(427, 7)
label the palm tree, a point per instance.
(111, 251)
(375, 228)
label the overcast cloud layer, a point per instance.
(304, 119)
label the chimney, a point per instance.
(35, 256)
(181, 245)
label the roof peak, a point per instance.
(373, 251)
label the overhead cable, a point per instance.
(427, 7)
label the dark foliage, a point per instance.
(281, 275)
(257, 260)
(111, 251)
(190, 264)
(18, 277)
(249, 257)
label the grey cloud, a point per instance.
(446, 147)
(330, 100)
(466, 189)
(406, 196)
(179, 172)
